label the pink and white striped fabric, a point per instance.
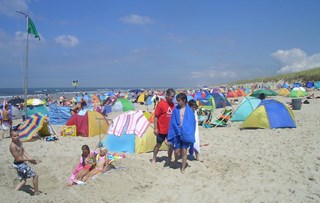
(136, 123)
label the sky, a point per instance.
(167, 43)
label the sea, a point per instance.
(7, 93)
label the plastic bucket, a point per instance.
(296, 104)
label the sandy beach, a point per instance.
(263, 165)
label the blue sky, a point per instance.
(167, 43)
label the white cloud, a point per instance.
(67, 40)
(136, 19)
(19, 35)
(295, 60)
(9, 7)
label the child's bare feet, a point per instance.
(37, 192)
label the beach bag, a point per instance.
(69, 130)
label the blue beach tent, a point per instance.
(59, 115)
(270, 114)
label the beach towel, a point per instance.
(196, 144)
(187, 130)
(138, 123)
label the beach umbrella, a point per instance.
(136, 90)
(265, 92)
(122, 104)
(31, 126)
(15, 101)
(34, 102)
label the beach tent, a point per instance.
(208, 104)
(37, 109)
(310, 84)
(89, 123)
(122, 104)
(149, 101)
(270, 114)
(240, 92)
(245, 108)
(285, 85)
(215, 90)
(231, 94)
(220, 101)
(131, 132)
(317, 85)
(16, 101)
(141, 98)
(199, 95)
(296, 84)
(59, 115)
(298, 92)
(15, 113)
(247, 91)
(284, 92)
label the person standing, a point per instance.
(6, 120)
(20, 158)
(161, 124)
(196, 146)
(182, 129)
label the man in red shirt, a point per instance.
(161, 124)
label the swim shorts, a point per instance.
(24, 171)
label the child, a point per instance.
(102, 164)
(182, 128)
(20, 158)
(87, 163)
(196, 146)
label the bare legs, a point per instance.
(35, 184)
(156, 150)
(184, 159)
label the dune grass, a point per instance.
(302, 76)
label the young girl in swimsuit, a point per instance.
(102, 165)
(87, 163)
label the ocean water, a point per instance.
(12, 92)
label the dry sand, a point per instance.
(265, 165)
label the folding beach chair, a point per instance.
(205, 116)
(222, 120)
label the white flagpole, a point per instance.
(25, 89)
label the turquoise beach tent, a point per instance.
(37, 109)
(130, 142)
(317, 85)
(245, 108)
(270, 114)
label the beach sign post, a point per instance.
(31, 29)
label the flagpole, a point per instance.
(25, 88)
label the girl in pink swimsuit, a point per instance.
(87, 163)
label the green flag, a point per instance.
(32, 28)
